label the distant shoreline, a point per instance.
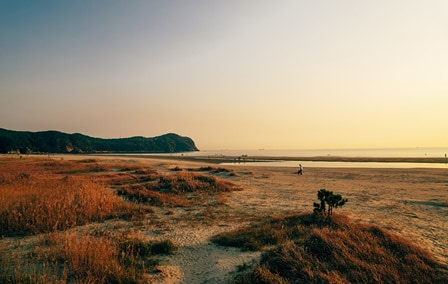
(249, 159)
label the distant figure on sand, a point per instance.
(300, 170)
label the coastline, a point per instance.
(250, 159)
(410, 202)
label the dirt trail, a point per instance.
(200, 261)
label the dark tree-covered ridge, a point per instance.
(59, 142)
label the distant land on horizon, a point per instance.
(59, 142)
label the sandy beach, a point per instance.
(410, 202)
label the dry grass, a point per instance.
(313, 249)
(211, 169)
(34, 199)
(89, 259)
(173, 190)
(44, 205)
(72, 258)
(188, 182)
(141, 194)
(39, 195)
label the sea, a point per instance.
(376, 153)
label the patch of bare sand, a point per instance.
(197, 260)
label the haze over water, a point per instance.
(383, 153)
(371, 153)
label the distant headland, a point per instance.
(59, 142)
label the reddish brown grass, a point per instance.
(141, 194)
(313, 249)
(35, 200)
(90, 259)
(71, 258)
(188, 182)
(173, 190)
(30, 207)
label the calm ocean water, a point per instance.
(370, 165)
(390, 153)
(382, 153)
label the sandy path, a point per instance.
(197, 260)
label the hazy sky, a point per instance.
(229, 74)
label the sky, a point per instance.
(249, 74)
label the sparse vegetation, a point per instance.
(314, 249)
(212, 170)
(176, 169)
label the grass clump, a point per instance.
(316, 249)
(71, 258)
(163, 247)
(176, 169)
(176, 189)
(31, 207)
(187, 182)
(90, 259)
(212, 170)
(35, 199)
(143, 195)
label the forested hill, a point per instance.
(59, 142)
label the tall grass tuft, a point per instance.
(91, 259)
(72, 258)
(30, 206)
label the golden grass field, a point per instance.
(84, 219)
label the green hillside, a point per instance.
(59, 142)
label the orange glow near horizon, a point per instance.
(230, 75)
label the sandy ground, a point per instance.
(410, 202)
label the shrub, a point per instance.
(163, 247)
(328, 198)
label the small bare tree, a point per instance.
(328, 201)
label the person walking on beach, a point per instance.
(300, 170)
